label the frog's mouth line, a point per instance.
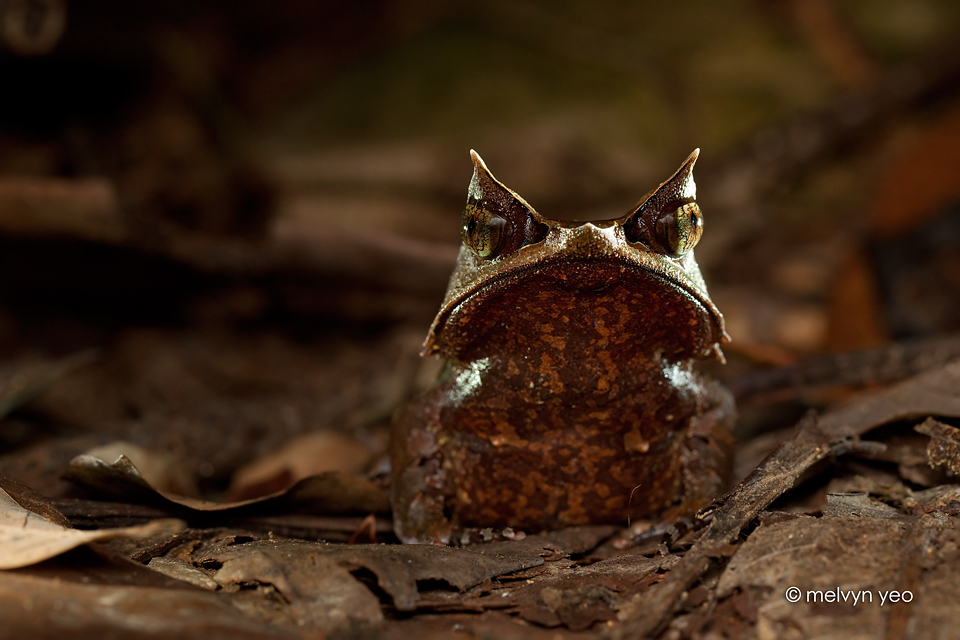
(644, 264)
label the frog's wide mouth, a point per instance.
(574, 261)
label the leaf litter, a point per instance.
(696, 577)
(27, 537)
(328, 492)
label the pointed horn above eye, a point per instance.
(645, 222)
(678, 187)
(482, 178)
(485, 185)
(477, 160)
(682, 180)
(496, 220)
(484, 181)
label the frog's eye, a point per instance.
(680, 230)
(482, 231)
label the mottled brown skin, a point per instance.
(569, 395)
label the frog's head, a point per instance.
(518, 270)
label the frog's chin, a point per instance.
(648, 294)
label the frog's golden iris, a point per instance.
(482, 231)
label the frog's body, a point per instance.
(569, 396)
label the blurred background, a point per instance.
(250, 209)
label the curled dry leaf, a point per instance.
(331, 492)
(27, 538)
(302, 457)
(163, 472)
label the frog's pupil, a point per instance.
(472, 225)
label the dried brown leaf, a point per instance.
(33, 501)
(818, 554)
(184, 571)
(859, 505)
(66, 609)
(315, 591)
(27, 538)
(302, 457)
(161, 471)
(331, 492)
(398, 568)
(578, 597)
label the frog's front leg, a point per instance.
(417, 491)
(707, 455)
